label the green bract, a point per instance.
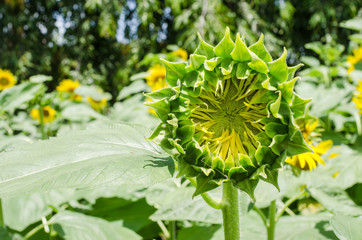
(229, 114)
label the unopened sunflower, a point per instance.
(229, 114)
(48, 114)
(7, 79)
(354, 59)
(357, 99)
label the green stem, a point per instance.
(172, 230)
(287, 204)
(35, 230)
(271, 225)
(262, 215)
(212, 202)
(2, 223)
(41, 116)
(230, 212)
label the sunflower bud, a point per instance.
(229, 114)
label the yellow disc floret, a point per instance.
(229, 119)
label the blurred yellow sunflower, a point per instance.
(180, 53)
(67, 85)
(156, 80)
(354, 59)
(97, 105)
(157, 77)
(48, 114)
(7, 79)
(357, 99)
(309, 161)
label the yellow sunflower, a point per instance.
(7, 79)
(97, 105)
(157, 77)
(354, 59)
(48, 114)
(309, 161)
(180, 53)
(156, 80)
(357, 99)
(67, 85)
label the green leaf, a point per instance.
(240, 52)
(292, 71)
(212, 63)
(297, 145)
(162, 108)
(22, 211)
(354, 24)
(71, 225)
(195, 62)
(335, 200)
(257, 64)
(119, 154)
(287, 89)
(259, 49)
(175, 203)
(204, 48)
(174, 71)
(300, 227)
(278, 69)
(347, 227)
(199, 233)
(274, 107)
(13, 98)
(299, 105)
(226, 46)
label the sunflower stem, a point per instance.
(172, 230)
(262, 215)
(230, 212)
(41, 116)
(272, 222)
(2, 222)
(287, 204)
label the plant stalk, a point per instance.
(2, 222)
(172, 230)
(41, 116)
(230, 212)
(271, 225)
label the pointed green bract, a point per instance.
(225, 47)
(229, 115)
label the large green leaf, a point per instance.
(71, 225)
(21, 211)
(119, 154)
(314, 227)
(176, 203)
(347, 227)
(13, 98)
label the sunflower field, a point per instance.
(180, 120)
